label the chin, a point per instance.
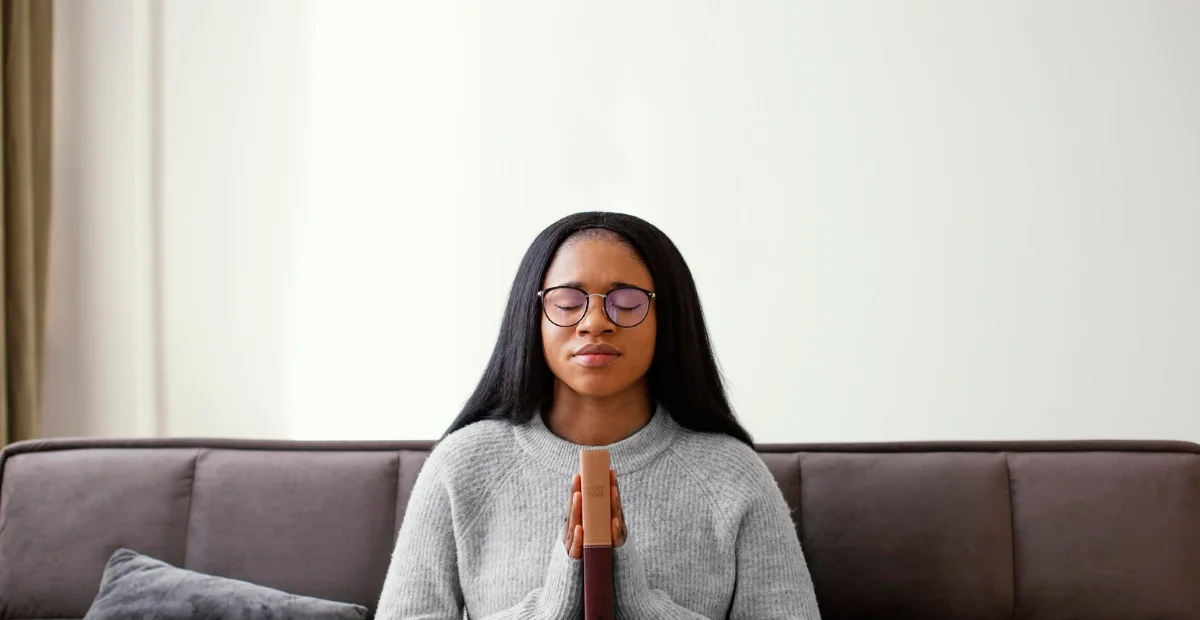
(596, 387)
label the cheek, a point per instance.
(553, 340)
(643, 343)
(547, 340)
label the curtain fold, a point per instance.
(26, 40)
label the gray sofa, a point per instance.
(1090, 530)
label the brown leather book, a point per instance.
(597, 535)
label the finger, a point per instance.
(620, 529)
(573, 519)
(577, 543)
(575, 487)
(615, 494)
(576, 510)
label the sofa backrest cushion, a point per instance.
(972, 530)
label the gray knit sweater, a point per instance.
(710, 535)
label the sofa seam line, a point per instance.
(187, 528)
(396, 503)
(1012, 533)
(800, 498)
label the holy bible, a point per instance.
(597, 535)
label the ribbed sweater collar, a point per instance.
(628, 455)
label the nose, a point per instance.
(595, 321)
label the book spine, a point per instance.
(598, 583)
(597, 535)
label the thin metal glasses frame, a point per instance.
(588, 301)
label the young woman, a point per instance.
(603, 343)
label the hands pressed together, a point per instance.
(573, 530)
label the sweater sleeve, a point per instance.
(635, 599)
(773, 582)
(560, 598)
(423, 582)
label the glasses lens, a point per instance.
(564, 306)
(627, 307)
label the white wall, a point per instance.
(179, 156)
(234, 78)
(943, 220)
(101, 326)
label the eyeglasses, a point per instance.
(625, 306)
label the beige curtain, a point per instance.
(26, 40)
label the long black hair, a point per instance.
(683, 378)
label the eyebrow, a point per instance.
(578, 284)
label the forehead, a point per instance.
(597, 264)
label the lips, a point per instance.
(598, 348)
(597, 355)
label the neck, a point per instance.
(598, 421)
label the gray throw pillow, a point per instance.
(137, 587)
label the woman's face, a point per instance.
(598, 265)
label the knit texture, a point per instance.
(710, 534)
